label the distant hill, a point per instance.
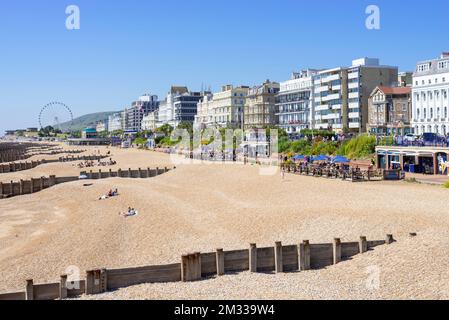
(87, 120)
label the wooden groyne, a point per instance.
(27, 165)
(196, 266)
(23, 187)
(10, 152)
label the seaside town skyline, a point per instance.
(54, 73)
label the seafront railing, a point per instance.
(196, 266)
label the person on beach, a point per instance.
(283, 173)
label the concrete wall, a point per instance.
(290, 258)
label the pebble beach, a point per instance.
(201, 207)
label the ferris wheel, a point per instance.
(54, 114)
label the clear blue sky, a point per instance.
(126, 48)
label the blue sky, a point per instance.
(126, 48)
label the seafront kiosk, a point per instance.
(428, 160)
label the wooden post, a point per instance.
(197, 265)
(389, 239)
(11, 187)
(129, 173)
(140, 173)
(90, 282)
(103, 280)
(278, 261)
(304, 255)
(157, 171)
(52, 180)
(148, 172)
(63, 287)
(99, 174)
(191, 267)
(1, 188)
(253, 257)
(29, 290)
(41, 183)
(184, 267)
(363, 245)
(21, 187)
(119, 173)
(337, 250)
(220, 262)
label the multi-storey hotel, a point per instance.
(295, 102)
(179, 106)
(134, 114)
(222, 109)
(341, 94)
(430, 96)
(260, 107)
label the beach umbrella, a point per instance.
(298, 157)
(320, 158)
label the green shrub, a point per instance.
(446, 185)
(359, 147)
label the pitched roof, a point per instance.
(395, 90)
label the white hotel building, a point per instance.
(430, 96)
(295, 102)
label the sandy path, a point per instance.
(203, 207)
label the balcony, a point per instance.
(330, 97)
(336, 107)
(353, 95)
(322, 107)
(353, 115)
(354, 125)
(353, 85)
(353, 75)
(331, 78)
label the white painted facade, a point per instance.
(115, 122)
(430, 94)
(295, 102)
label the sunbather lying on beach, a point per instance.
(110, 194)
(130, 213)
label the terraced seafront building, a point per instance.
(341, 94)
(222, 109)
(260, 106)
(430, 96)
(294, 102)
